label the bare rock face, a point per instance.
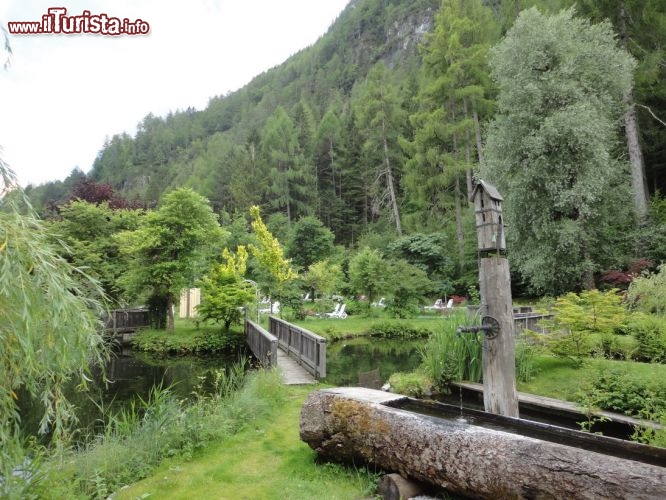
(354, 424)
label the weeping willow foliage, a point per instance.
(49, 323)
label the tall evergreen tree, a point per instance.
(328, 144)
(641, 29)
(291, 178)
(381, 119)
(447, 145)
(549, 150)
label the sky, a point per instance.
(64, 95)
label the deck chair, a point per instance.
(273, 308)
(335, 311)
(341, 314)
(439, 304)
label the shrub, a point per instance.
(617, 390)
(650, 334)
(614, 346)
(206, 341)
(414, 384)
(577, 316)
(354, 308)
(396, 330)
(648, 293)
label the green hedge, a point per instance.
(205, 341)
(398, 330)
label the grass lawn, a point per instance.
(354, 326)
(558, 378)
(266, 460)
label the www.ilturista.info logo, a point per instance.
(56, 22)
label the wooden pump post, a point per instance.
(499, 369)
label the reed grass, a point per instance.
(448, 356)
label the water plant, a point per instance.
(448, 356)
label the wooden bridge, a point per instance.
(299, 354)
(122, 323)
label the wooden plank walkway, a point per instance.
(292, 372)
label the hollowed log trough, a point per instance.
(482, 456)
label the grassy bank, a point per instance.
(358, 326)
(560, 378)
(235, 443)
(266, 460)
(190, 337)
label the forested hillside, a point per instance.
(379, 130)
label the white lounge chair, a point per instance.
(341, 314)
(439, 305)
(335, 311)
(274, 308)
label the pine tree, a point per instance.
(641, 29)
(291, 177)
(380, 120)
(456, 85)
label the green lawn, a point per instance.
(558, 378)
(353, 326)
(266, 460)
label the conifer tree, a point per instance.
(380, 120)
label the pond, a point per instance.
(369, 362)
(363, 361)
(131, 375)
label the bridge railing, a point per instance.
(127, 320)
(308, 348)
(264, 345)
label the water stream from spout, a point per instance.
(461, 418)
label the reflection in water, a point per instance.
(369, 362)
(130, 375)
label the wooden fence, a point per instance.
(309, 349)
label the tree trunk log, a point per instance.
(499, 364)
(638, 181)
(170, 319)
(396, 487)
(355, 425)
